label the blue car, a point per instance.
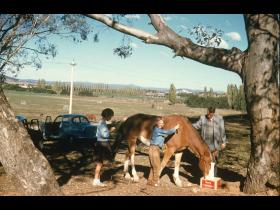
(69, 127)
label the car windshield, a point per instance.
(76, 120)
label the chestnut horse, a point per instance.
(140, 127)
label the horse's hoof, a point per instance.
(127, 176)
(189, 184)
(178, 182)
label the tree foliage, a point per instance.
(197, 101)
(57, 87)
(24, 37)
(236, 97)
(172, 94)
(206, 35)
(41, 83)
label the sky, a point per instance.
(149, 65)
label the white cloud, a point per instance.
(134, 16)
(223, 44)
(234, 36)
(133, 45)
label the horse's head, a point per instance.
(205, 163)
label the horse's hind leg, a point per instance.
(176, 178)
(132, 156)
(126, 165)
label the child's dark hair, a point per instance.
(159, 118)
(107, 113)
(211, 109)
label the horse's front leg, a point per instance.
(176, 177)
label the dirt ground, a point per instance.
(73, 168)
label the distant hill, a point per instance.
(113, 86)
(11, 80)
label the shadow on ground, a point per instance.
(69, 160)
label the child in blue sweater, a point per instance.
(157, 142)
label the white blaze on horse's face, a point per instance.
(211, 171)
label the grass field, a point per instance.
(32, 105)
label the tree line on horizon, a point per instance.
(233, 99)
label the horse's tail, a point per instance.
(118, 141)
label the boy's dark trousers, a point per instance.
(154, 156)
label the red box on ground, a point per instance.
(214, 183)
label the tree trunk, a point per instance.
(27, 167)
(262, 96)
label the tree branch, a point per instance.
(146, 37)
(231, 60)
(30, 32)
(157, 21)
(5, 31)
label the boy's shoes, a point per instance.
(97, 183)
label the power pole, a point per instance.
(71, 89)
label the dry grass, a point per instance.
(32, 105)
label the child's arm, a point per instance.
(167, 132)
(198, 124)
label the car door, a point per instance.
(56, 128)
(84, 125)
(47, 127)
(76, 128)
(65, 128)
